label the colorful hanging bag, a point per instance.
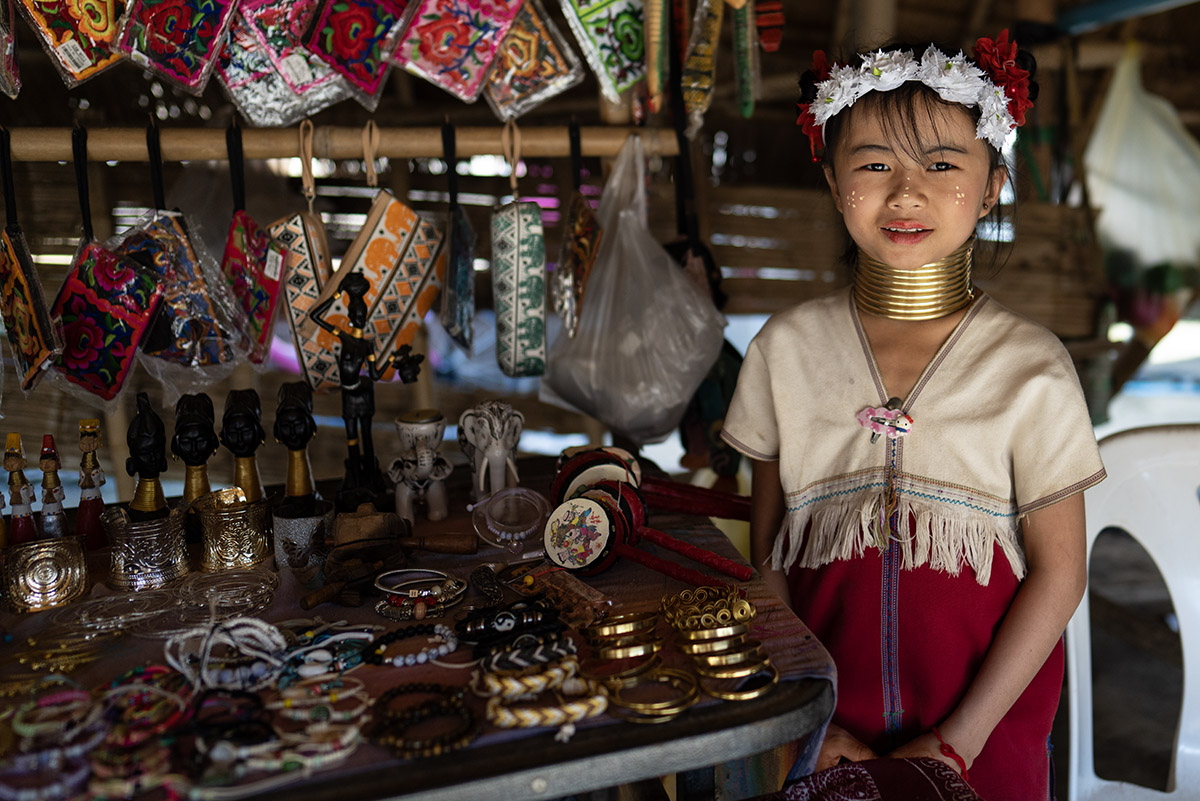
(458, 293)
(611, 36)
(580, 244)
(32, 334)
(178, 40)
(534, 64)
(10, 74)
(105, 306)
(356, 39)
(76, 39)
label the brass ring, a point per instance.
(620, 625)
(635, 717)
(717, 633)
(745, 695)
(734, 672)
(678, 679)
(626, 674)
(711, 646)
(748, 651)
(644, 648)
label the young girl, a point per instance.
(920, 451)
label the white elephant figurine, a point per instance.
(488, 435)
(420, 472)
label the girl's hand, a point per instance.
(840, 744)
(928, 745)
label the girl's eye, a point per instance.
(875, 167)
(941, 166)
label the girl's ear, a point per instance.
(992, 195)
(831, 179)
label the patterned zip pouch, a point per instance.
(75, 35)
(451, 43)
(308, 272)
(279, 26)
(34, 339)
(253, 267)
(402, 258)
(534, 64)
(612, 39)
(177, 39)
(458, 294)
(105, 305)
(355, 38)
(10, 74)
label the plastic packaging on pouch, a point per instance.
(534, 64)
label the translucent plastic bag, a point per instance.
(647, 336)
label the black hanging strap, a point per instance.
(154, 148)
(685, 212)
(79, 153)
(576, 154)
(451, 157)
(237, 168)
(10, 194)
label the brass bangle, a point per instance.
(619, 676)
(634, 717)
(734, 672)
(625, 640)
(678, 679)
(716, 633)
(750, 650)
(629, 623)
(745, 695)
(711, 646)
(644, 648)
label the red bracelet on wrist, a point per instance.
(948, 750)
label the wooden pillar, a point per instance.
(872, 23)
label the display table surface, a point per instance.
(530, 763)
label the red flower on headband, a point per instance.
(998, 58)
(808, 123)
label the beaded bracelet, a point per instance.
(67, 783)
(514, 618)
(55, 756)
(61, 713)
(296, 704)
(564, 714)
(507, 686)
(449, 643)
(406, 610)
(448, 587)
(441, 692)
(390, 729)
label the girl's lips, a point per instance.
(909, 236)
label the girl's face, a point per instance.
(909, 209)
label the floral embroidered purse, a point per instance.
(610, 34)
(354, 37)
(534, 64)
(75, 35)
(34, 340)
(451, 43)
(177, 39)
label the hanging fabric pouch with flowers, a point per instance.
(105, 305)
(252, 262)
(534, 64)
(10, 74)
(519, 276)
(580, 244)
(34, 339)
(458, 294)
(75, 35)
(451, 43)
(178, 40)
(355, 38)
(612, 39)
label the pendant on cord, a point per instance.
(889, 420)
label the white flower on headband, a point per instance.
(883, 72)
(956, 80)
(995, 122)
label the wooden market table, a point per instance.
(531, 764)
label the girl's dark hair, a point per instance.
(899, 112)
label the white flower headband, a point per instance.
(1001, 93)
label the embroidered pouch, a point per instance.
(658, 22)
(451, 43)
(700, 64)
(308, 272)
(580, 245)
(259, 91)
(253, 267)
(10, 75)
(177, 39)
(353, 37)
(610, 34)
(35, 342)
(279, 26)
(519, 288)
(105, 305)
(194, 328)
(533, 64)
(401, 256)
(458, 295)
(75, 35)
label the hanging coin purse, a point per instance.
(354, 37)
(609, 33)
(519, 276)
(401, 256)
(179, 40)
(533, 64)
(451, 44)
(249, 72)
(10, 74)
(458, 293)
(308, 271)
(700, 64)
(34, 340)
(580, 244)
(76, 42)
(105, 305)
(252, 262)
(279, 26)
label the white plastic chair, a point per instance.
(1150, 493)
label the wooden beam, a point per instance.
(333, 142)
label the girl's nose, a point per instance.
(906, 192)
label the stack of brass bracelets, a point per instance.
(630, 642)
(711, 626)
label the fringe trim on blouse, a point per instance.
(930, 534)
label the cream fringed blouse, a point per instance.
(1000, 429)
